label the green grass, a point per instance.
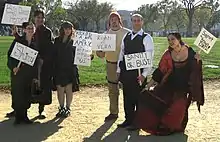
(95, 74)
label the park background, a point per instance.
(90, 105)
(160, 18)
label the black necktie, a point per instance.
(133, 33)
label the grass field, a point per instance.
(96, 73)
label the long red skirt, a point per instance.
(169, 122)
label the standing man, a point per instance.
(134, 42)
(44, 43)
(115, 27)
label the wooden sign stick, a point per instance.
(199, 53)
(139, 74)
(18, 66)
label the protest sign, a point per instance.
(83, 38)
(205, 41)
(15, 14)
(103, 42)
(24, 54)
(83, 56)
(138, 60)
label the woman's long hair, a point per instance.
(66, 25)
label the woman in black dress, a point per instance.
(21, 77)
(66, 75)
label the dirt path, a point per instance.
(86, 123)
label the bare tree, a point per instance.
(190, 8)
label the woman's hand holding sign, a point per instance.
(140, 79)
(197, 56)
(15, 70)
(14, 30)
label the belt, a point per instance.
(111, 81)
(111, 62)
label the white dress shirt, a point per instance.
(148, 44)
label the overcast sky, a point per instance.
(126, 4)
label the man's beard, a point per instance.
(115, 26)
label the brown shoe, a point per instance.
(111, 117)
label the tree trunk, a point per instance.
(83, 25)
(97, 25)
(190, 25)
(178, 28)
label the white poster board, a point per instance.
(205, 41)
(83, 38)
(83, 43)
(138, 60)
(103, 42)
(24, 54)
(83, 56)
(15, 14)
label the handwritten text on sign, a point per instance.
(205, 41)
(138, 60)
(104, 42)
(82, 56)
(24, 54)
(83, 38)
(15, 14)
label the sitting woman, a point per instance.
(163, 110)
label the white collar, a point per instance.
(139, 32)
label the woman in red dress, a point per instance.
(163, 110)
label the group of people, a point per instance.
(159, 106)
(52, 70)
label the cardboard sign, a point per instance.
(15, 14)
(82, 56)
(103, 42)
(205, 41)
(138, 60)
(24, 54)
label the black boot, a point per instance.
(26, 120)
(18, 117)
(10, 114)
(42, 115)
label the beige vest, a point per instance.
(112, 56)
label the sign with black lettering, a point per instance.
(205, 41)
(15, 14)
(24, 54)
(103, 42)
(138, 60)
(83, 56)
(83, 38)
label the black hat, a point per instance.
(25, 24)
(67, 24)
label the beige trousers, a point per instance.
(113, 88)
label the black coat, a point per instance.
(21, 82)
(44, 43)
(65, 72)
